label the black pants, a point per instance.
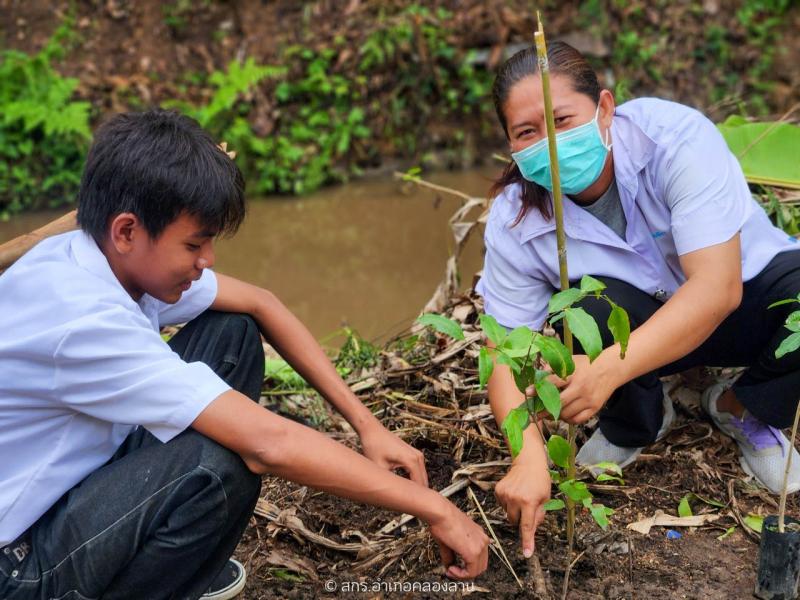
(158, 520)
(748, 337)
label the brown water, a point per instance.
(367, 254)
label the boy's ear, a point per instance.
(124, 232)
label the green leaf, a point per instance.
(684, 510)
(525, 377)
(607, 477)
(442, 325)
(780, 302)
(585, 329)
(520, 338)
(767, 152)
(556, 355)
(575, 490)
(513, 425)
(558, 449)
(485, 366)
(553, 504)
(589, 285)
(728, 531)
(620, 327)
(608, 466)
(600, 514)
(793, 321)
(754, 522)
(709, 501)
(503, 359)
(790, 344)
(561, 300)
(550, 396)
(492, 329)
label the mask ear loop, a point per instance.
(607, 141)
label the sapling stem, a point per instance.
(561, 238)
(782, 506)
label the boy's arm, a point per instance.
(269, 443)
(294, 342)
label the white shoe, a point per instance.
(598, 449)
(763, 447)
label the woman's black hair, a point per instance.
(564, 60)
(157, 165)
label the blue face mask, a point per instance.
(581, 156)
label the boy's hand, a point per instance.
(522, 493)
(387, 450)
(457, 534)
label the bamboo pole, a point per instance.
(561, 238)
(782, 506)
(13, 249)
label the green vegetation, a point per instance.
(402, 81)
(44, 134)
(533, 358)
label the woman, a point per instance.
(658, 209)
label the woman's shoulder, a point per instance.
(663, 120)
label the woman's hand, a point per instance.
(586, 391)
(387, 450)
(522, 493)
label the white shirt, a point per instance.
(681, 190)
(82, 365)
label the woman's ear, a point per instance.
(607, 108)
(124, 231)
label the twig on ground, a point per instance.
(494, 537)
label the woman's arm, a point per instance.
(713, 290)
(526, 487)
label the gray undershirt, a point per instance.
(608, 209)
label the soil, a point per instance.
(617, 563)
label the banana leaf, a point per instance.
(769, 152)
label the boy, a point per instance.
(91, 504)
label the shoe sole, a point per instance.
(233, 589)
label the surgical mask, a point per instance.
(581, 156)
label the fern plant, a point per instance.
(44, 132)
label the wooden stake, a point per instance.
(561, 238)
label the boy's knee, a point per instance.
(240, 484)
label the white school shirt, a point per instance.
(681, 190)
(81, 365)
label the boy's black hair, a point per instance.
(158, 164)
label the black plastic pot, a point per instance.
(778, 561)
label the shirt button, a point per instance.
(14, 573)
(6, 550)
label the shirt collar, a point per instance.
(633, 149)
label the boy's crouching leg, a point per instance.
(197, 526)
(159, 522)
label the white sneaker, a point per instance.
(598, 449)
(763, 447)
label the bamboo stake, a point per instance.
(782, 507)
(561, 238)
(14, 249)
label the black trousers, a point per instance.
(157, 521)
(748, 337)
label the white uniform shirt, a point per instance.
(81, 365)
(681, 190)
